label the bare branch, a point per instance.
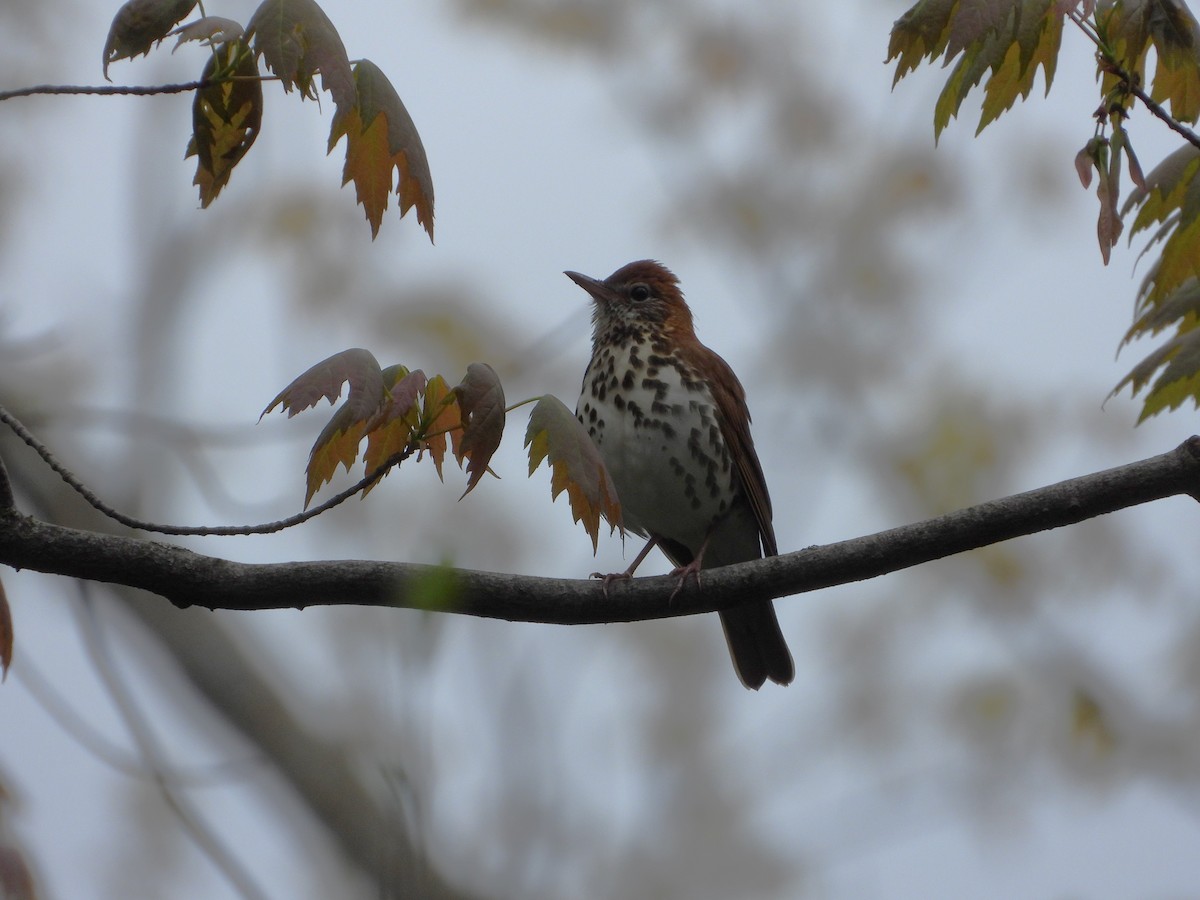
(76, 484)
(1157, 111)
(191, 579)
(1130, 81)
(126, 90)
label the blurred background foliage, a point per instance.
(918, 330)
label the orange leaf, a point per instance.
(380, 136)
(390, 431)
(337, 443)
(481, 405)
(339, 439)
(575, 465)
(439, 416)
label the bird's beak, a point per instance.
(599, 291)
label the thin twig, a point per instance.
(1130, 82)
(106, 89)
(205, 837)
(74, 722)
(204, 530)
(1156, 110)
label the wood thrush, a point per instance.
(671, 422)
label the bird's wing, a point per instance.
(734, 420)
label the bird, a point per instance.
(670, 420)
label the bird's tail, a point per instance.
(756, 644)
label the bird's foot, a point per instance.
(606, 580)
(683, 573)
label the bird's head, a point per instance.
(642, 295)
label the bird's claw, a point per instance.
(609, 578)
(683, 573)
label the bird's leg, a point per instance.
(608, 579)
(692, 569)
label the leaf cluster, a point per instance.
(1002, 43)
(296, 41)
(400, 413)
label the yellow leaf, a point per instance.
(575, 465)
(380, 136)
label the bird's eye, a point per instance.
(639, 292)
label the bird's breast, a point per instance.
(656, 427)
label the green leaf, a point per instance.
(921, 33)
(1181, 305)
(1175, 36)
(1180, 379)
(1010, 40)
(1169, 198)
(226, 117)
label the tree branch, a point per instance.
(191, 579)
(326, 777)
(105, 89)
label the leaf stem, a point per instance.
(1129, 83)
(521, 403)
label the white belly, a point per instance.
(663, 449)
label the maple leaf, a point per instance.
(1170, 197)
(974, 20)
(554, 434)
(922, 32)
(1011, 40)
(1180, 379)
(481, 406)
(297, 40)
(337, 444)
(439, 416)
(139, 25)
(390, 430)
(1130, 27)
(339, 439)
(1038, 37)
(1181, 305)
(6, 634)
(325, 380)
(226, 117)
(380, 136)
(1177, 80)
